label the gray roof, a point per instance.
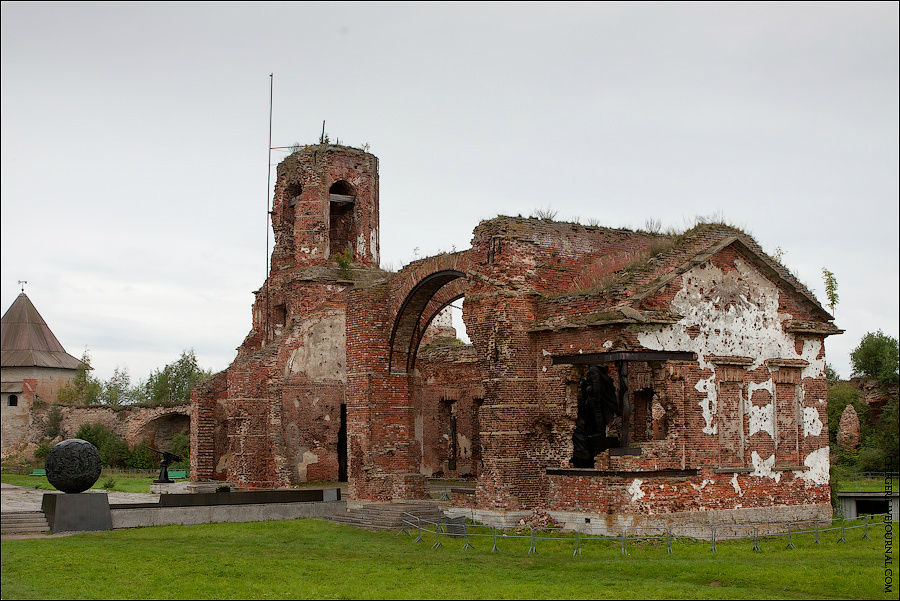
(27, 340)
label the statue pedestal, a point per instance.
(78, 512)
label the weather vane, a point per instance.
(22, 284)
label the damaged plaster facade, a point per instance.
(714, 352)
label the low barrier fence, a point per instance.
(460, 529)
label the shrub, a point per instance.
(42, 450)
(345, 263)
(142, 457)
(113, 448)
(547, 214)
(180, 445)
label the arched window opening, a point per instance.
(342, 191)
(13, 400)
(342, 197)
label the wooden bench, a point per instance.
(178, 474)
(38, 472)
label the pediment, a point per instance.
(730, 273)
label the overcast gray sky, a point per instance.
(134, 143)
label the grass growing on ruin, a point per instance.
(316, 559)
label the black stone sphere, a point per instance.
(73, 465)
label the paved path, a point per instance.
(19, 498)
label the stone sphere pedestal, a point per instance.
(77, 512)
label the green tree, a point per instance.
(54, 421)
(173, 383)
(885, 436)
(831, 287)
(831, 375)
(117, 389)
(84, 389)
(877, 356)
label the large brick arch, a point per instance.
(417, 294)
(421, 305)
(385, 323)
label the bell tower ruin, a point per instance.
(326, 203)
(277, 415)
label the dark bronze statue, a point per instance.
(166, 459)
(598, 404)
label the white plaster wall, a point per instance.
(322, 354)
(736, 313)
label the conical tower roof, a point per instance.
(27, 340)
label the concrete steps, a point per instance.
(18, 522)
(387, 516)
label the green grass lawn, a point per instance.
(864, 485)
(124, 482)
(316, 559)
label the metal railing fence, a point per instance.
(759, 532)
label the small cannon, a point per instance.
(166, 458)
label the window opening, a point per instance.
(342, 191)
(447, 428)
(604, 414)
(292, 194)
(342, 445)
(641, 421)
(476, 435)
(598, 407)
(342, 198)
(279, 315)
(871, 506)
(451, 461)
(13, 400)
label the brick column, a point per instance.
(382, 455)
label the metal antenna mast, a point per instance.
(268, 210)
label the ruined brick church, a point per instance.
(613, 375)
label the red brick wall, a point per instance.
(726, 430)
